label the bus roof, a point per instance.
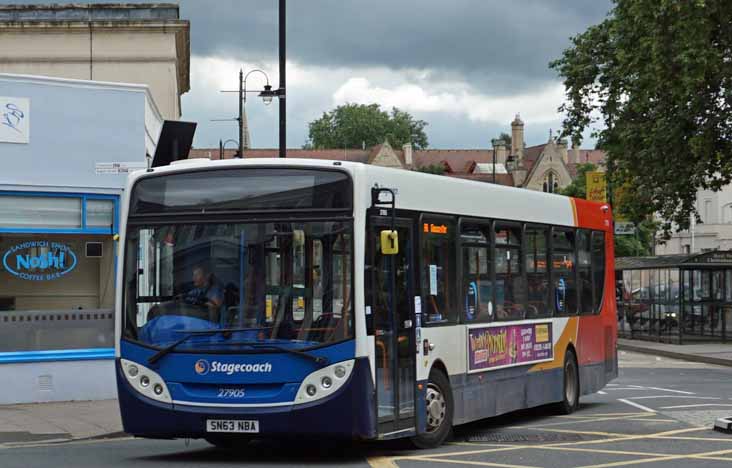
(428, 192)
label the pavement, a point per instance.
(59, 422)
(26, 424)
(707, 353)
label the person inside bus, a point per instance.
(205, 293)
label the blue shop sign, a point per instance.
(51, 261)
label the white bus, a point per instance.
(271, 297)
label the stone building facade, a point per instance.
(124, 43)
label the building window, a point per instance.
(708, 212)
(551, 182)
(55, 294)
(54, 297)
(23, 212)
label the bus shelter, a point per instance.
(675, 298)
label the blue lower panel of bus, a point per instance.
(348, 413)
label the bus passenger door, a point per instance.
(392, 293)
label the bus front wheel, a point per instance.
(439, 406)
(570, 388)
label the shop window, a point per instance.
(40, 212)
(54, 296)
(438, 271)
(598, 268)
(510, 284)
(100, 213)
(7, 303)
(537, 272)
(563, 272)
(584, 268)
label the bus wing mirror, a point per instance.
(389, 242)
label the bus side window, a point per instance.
(585, 272)
(598, 268)
(537, 243)
(438, 271)
(477, 285)
(510, 284)
(563, 271)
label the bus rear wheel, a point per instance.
(439, 407)
(570, 388)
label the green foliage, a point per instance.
(658, 75)
(353, 125)
(506, 139)
(625, 246)
(578, 187)
(638, 245)
(438, 169)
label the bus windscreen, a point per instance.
(255, 189)
(273, 283)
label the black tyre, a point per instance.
(570, 388)
(440, 409)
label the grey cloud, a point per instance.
(507, 44)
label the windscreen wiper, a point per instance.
(189, 333)
(318, 359)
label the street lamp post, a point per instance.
(494, 142)
(222, 146)
(281, 91)
(266, 94)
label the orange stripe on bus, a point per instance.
(569, 335)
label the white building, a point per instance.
(59, 213)
(713, 233)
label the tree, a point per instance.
(437, 168)
(354, 125)
(578, 187)
(625, 246)
(658, 75)
(506, 139)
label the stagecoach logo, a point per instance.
(202, 367)
(39, 260)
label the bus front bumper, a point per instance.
(348, 413)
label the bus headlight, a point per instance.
(145, 381)
(324, 382)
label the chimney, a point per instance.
(562, 150)
(501, 153)
(575, 156)
(517, 137)
(407, 155)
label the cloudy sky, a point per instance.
(464, 66)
